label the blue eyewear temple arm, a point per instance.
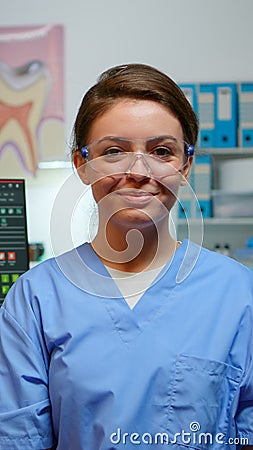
(189, 150)
(84, 152)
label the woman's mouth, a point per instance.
(136, 197)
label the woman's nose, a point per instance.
(139, 168)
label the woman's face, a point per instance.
(137, 197)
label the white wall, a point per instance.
(196, 40)
(192, 40)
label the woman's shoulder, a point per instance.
(39, 285)
(48, 273)
(53, 264)
(213, 262)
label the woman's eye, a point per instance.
(162, 152)
(112, 151)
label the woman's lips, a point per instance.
(136, 197)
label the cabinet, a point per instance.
(218, 230)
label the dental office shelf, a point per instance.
(221, 230)
(228, 221)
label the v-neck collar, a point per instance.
(130, 323)
(133, 285)
(106, 286)
(84, 268)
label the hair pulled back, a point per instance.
(133, 81)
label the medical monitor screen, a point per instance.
(14, 254)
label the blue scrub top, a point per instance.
(80, 369)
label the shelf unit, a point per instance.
(226, 221)
(230, 230)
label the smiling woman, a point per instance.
(132, 332)
(132, 185)
(140, 115)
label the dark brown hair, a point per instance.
(133, 81)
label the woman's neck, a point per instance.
(134, 250)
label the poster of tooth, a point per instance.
(31, 98)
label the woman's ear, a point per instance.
(80, 165)
(186, 171)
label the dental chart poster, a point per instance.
(31, 98)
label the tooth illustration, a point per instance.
(24, 93)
